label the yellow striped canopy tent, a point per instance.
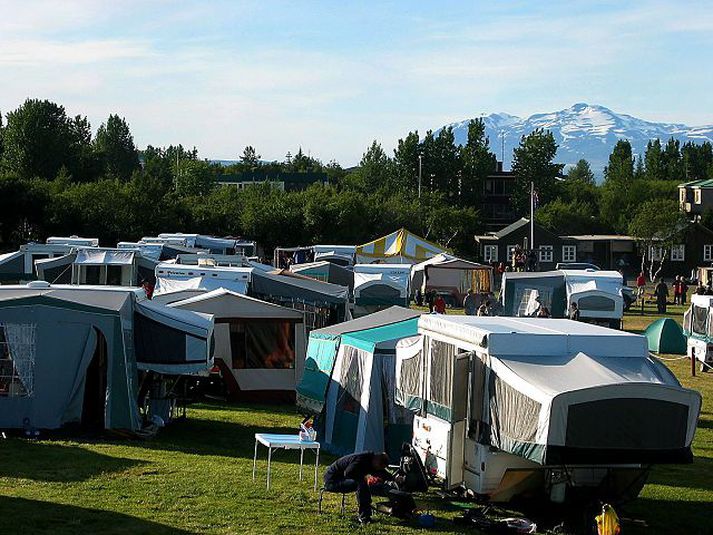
(399, 247)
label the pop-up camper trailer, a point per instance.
(98, 266)
(71, 354)
(326, 272)
(378, 286)
(172, 277)
(342, 255)
(448, 274)
(598, 294)
(259, 346)
(698, 329)
(515, 406)
(19, 266)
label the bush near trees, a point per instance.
(57, 179)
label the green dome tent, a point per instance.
(666, 336)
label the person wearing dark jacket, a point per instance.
(349, 474)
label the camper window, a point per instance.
(92, 275)
(700, 315)
(410, 379)
(477, 394)
(529, 300)
(17, 359)
(262, 345)
(597, 303)
(350, 384)
(113, 275)
(514, 417)
(441, 376)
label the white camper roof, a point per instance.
(542, 337)
(73, 240)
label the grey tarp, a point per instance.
(12, 266)
(56, 270)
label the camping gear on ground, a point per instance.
(666, 336)
(378, 286)
(400, 504)
(483, 520)
(326, 272)
(285, 442)
(399, 247)
(698, 328)
(360, 411)
(259, 346)
(598, 294)
(322, 352)
(455, 276)
(515, 399)
(70, 354)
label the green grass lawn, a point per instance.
(196, 477)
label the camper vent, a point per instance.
(38, 284)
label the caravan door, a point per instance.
(456, 454)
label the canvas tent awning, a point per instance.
(326, 272)
(12, 266)
(400, 247)
(322, 350)
(101, 257)
(298, 288)
(381, 284)
(56, 270)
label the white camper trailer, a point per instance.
(514, 406)
(379, 286)
(698, 328)
(171, 277)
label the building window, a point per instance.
(655, 254)
(682, 195)
(511, 252)
(546, 253)
(569, 253)
(697, 196)
(490, 253)
(17, 359)
(708, 252)
(678, 253)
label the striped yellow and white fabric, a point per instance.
(399, 247)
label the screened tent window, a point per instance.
(530, 299)
(92, 275)
(569, 253)
(17, 359)
(513, 415)
(546, 253)
(477, 395)
(410, 380)
(708, 252)
(490, 253)
(441, 377)
(700, 315)
(349, 397)
(511, 252)
(678, 253)
(597, 303)
(113, 275)
(262, 345)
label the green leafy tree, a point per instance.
(533, 162)
(406, 161)
(657, 225)
(194, 178)
(618, 197)
(115, 147)
(40, 139)
(477, 162)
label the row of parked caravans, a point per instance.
(505, 406)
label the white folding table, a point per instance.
(286, 442)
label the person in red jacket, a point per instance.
(439, 306)
(640, 285)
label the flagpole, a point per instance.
(532, 216)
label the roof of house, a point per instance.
(522, 222)
(600, 237)
(705, 183)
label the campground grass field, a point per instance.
(196, 477)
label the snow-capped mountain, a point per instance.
(586, 131)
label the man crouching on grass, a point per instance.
(350, 473)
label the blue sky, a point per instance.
(332, 76)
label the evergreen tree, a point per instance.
(653, 163)
(447, 164)
(581, 172)
(639, 169)
(672, 161)
(406, 161)
(621, 163)
(698, 160)
(477, 162)
(115, 146)
(533, 162)
(250, 158)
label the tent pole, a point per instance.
(693, 362)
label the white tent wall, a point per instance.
(174, 277)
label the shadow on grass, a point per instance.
(697, 477)
(46, 461)
(666, 517)
(31, 516)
